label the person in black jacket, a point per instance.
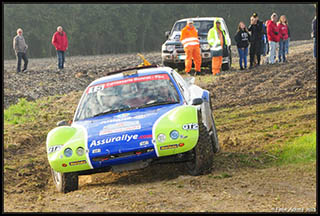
(242, 38)
(256, 30)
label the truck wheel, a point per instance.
(166, 64)
(65, 182)
(202, 154)
(226, 66)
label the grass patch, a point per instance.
(32, 111)
(300, 150)
(22, 112)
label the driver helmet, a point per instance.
(107, 96)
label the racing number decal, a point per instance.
(54, 148)
(191, 126)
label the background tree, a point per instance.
(95, 29)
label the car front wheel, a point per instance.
(202, 154)
(65, 182)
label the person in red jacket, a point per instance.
(273, 37)
(283, 33)
(60, 42)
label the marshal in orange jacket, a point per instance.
(191, 45)
(189, 37)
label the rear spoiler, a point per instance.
(132, 69)
(144, 65)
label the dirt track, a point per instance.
(232, 186)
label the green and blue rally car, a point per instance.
(133, 118)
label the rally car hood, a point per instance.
(122, 132)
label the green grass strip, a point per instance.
(300, 150)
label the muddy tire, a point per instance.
(202, 154)
(214, 137)
(65, 182)
(213, 133)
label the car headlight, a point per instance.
(205, 46)
(68, 152)
(80, 151)
(161, 137)
(174, 134)
(170, 48)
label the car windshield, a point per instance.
(202, 26)
(127, 94)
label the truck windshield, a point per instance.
(202, 26)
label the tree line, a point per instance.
(95, 29)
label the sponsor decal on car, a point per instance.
(102, 86)
(192, 126)
(123, 115)
(128, 118)
(149, 136)
(52, 149)
(96, 151)
(144, 143)
(169, 147)
(172, 146)
(120, 127)
(124, 137)
(74, 163)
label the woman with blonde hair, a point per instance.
(283, 31)
(242, 38)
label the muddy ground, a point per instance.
(232, 185)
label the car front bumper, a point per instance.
(180, 58)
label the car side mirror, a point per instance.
(63, 123)
(167, 34)
(197, 101)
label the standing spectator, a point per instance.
(216, 39)
(273, 37)
(265, 42)
(20, 47)
(288, 40)
(191, 46)
(256, 29)
(60, 41)
(242, 38)
(283, 32)
(314, 35)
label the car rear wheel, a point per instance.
(202, 154)
(213, 133)
(65, 182)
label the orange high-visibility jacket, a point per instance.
(189, 37)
